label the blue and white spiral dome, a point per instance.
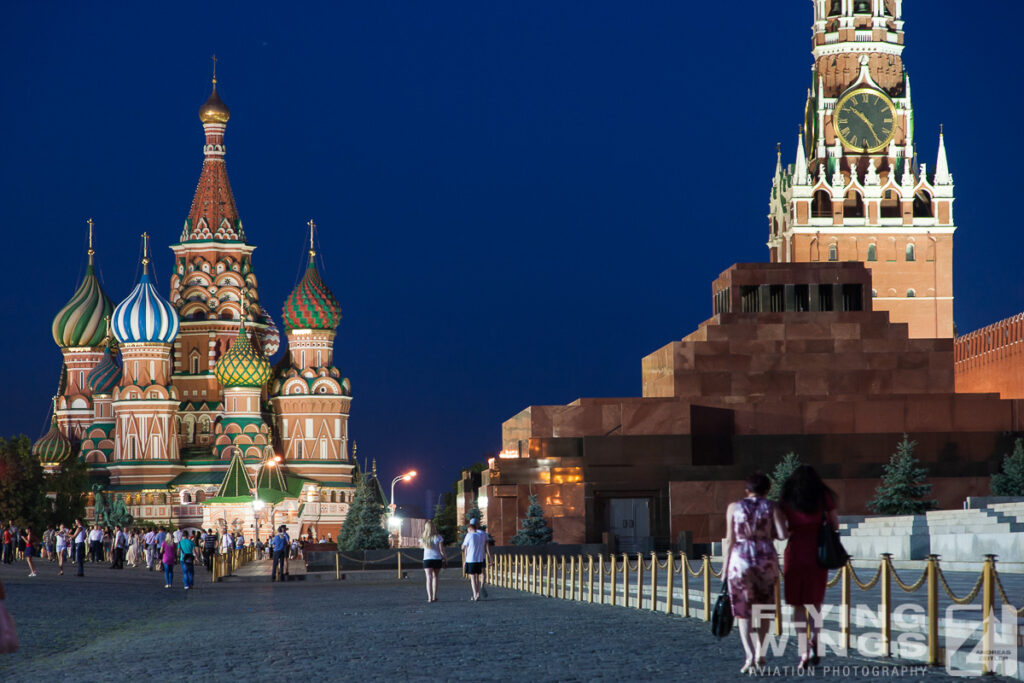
(145, 316)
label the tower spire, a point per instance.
(145, 252)
(91, 252)
(942, 174)
(800, 167)
(312, 251)
(214, 58)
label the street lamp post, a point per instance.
(393, 519)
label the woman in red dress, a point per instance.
(805, 500)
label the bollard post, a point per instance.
(988, 600)
(685, 574)
(639, 581)
(590, 579)
(612, 582)
(670, 568)
(778, 605)
(572, 577)
(562, 563)
(337, 566)
(933, 611)
(600, 579)
(625, 580)
(707, 587)
(398, 553)
(887, 604)
(654, 581)
(579, 577)
(844, 614)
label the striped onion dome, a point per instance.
(311, 305)
(53, 446)
(80, 322)
(145, 316)
(105, 375)
(242, 365)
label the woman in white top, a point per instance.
(433, 557)
(61, 538)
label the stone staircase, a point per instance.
(956, 535)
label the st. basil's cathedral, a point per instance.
(173, 404)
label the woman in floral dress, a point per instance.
(752, 563)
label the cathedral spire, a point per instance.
(213, 215)
(942, 174)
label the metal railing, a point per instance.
(225, 563)
(574, 578)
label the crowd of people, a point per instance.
(751, 566)
(156, 549)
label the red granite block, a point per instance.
(756, 346)
(976, 413)
(845, 330)
(910, 381)
(929, 413)
(843, 384)
(732, 332)
(687, 383)
(723, 363)
(848, 345)
(812, 382)
(715, 383)
(878, 416)
(766, 362)
(771, 332)
(808, 330)
(777, 383)
(880, 361)
(808, 361)
(874, 382)
(772, 417)
(643, 417)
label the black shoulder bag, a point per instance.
(721, 614)
(831, 553)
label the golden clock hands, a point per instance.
(865, 119)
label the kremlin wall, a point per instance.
(834, 349)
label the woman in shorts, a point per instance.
(433, 557)
(30, 549)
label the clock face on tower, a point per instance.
(865, 120)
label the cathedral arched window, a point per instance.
(194, 363)
(872, 252)
(910, 252)
(836, 8)
(862, 6)
(821, 205)
(833, 252)
(911, 294)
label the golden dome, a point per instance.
(214, 111)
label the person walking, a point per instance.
(61, 547)
(433, 557)
(168, 555)
(134, 550)
(279, 548)
(476, 552)
(187, 557)
(80, 538)
(96, 544)
(752, 563)
(30, 549)
(209, 549)
(806, 501)
(118, 543)
(8, 549)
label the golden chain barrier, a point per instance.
(870, 584)
(695, 574)
(1002, 594)
(913, 587)
(966, 599)
(834, 580)
(717, 574)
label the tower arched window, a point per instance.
(911, 294)
(833, 252)
(298, 450)
(892, 205)
(853, 206)
(836, 8)
(821, 205)
(910, 252)
(872, 252)
(923, 205)
(194, 364)
(862, 6)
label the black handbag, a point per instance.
(831, 553)
(721, 614)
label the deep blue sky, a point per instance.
(517, 200)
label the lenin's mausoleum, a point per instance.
(834, 349)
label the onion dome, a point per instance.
(269, 338)
(214, 110)
(80, 322)
(311, 306)
(242, 365)
(105, 375)
(145, 316)
(53, 446)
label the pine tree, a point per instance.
(444, 518)
(903, 488)
(1010, 482)
(535, 531)
(363, 529)
(785, 467)
(472, 513)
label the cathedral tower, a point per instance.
(857, 190)
(310, 396)
(213, 286)
(243, 371)
(145, 402)
(79, 330)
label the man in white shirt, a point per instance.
(177, 536)
(96, 545)
(80, 536)
(226, 543)
(149, 540)
(476, 551)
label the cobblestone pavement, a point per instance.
(126, 625)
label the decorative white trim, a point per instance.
(874, 229)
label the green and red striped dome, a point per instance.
(81, 321)
(311, 305)
(53, 447)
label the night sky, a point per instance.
(517, 201)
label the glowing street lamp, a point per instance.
(393, 521)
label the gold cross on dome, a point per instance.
(214, 58)
(91, 252)
(312, 226)
(145, 251)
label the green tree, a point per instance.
(535, 530)
(363, 528)
(903, 488)
(1010, 482)
(785, 467)
(68, 485)
(22, 485)
(445, 518)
